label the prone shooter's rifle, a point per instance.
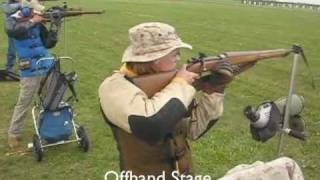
(152, 84)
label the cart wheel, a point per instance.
(84, 139)
(37, 150)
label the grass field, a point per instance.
(97, 43)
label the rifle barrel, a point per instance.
(77, 13)
(58, 14)
(239, 57)
(249, 56)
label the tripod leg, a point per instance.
(288, 104)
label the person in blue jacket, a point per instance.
(24, 26)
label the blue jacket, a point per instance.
(29, 46)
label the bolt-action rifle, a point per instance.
(152, 84)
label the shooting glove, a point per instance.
(237, 69)
(49, 37)
(217, 81)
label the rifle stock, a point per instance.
(152, 84)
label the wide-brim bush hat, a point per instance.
(151, 41)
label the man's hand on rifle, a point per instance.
(225, 69)
(218, 80)
(188, 76)
(237, 69)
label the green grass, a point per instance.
(97, 44)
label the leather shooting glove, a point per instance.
(237, 69)
(218, 80)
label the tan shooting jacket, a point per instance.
(151, 133)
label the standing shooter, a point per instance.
(24, 27)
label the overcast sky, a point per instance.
(303, 1)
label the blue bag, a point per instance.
(56, 125)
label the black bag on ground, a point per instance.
(53, 88)
(8, 76)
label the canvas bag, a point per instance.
(54, 87)
(56, 125)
